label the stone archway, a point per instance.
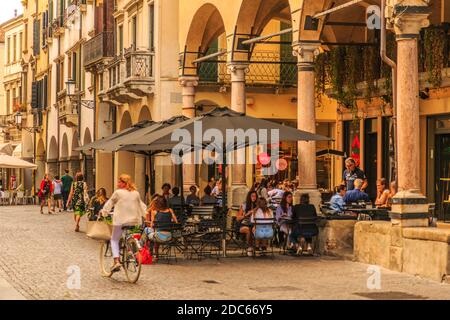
(64, 158)
(125, 160)
(40, 162)
(52, 158)
(144, 114)
(206, 25)
(74, 157)
(88, 164)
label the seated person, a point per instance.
(175, 200)
(356, 195)
(392, 192)
(192, 199)
(262, 231)
(303, 231)
(382, 193)
(337, 201)
(243, 219)
(96, 204)
(161, 216)
(284, 212)
(208, 199)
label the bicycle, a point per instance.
(129, 250)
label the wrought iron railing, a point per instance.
(267, 68)
(100, 46)
(139, 64)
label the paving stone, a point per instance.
(37, 250)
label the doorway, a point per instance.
(442, 165)
(370, 156)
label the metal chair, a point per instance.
(264, 222)
(167, 250)
(310, 221)
(20, 198)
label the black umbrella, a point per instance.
(97, 145)
(220, 119)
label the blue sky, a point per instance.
(7, 9)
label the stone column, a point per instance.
(409, 207)
(188, 85)
(139, 174)
(306, 121)
(239, 187)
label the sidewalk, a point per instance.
(7, 292)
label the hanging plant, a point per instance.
(435, 42)
(386, 71)
(371, 60)
(321, 63)
(354, 75)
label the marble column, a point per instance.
(188, 85)
(239, 186)
(410, 206)
(306, 121)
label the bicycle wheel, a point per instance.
(131, 261)
(106, 259)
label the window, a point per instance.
(134, 31)
(8, 50)
(74, 67)
(120, 39)
(36, 37)
(8, 102)
(14, 48)
(20, 43)
(14, 99)
(152, 27)
(25, 40)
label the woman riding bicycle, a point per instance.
(128, 211)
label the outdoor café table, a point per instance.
(373, 213)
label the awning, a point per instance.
(18, 151)
(6, 148)
(10, 162)
(331, 152)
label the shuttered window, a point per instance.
(36, 37)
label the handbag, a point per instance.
(145, 256)
(99, 230)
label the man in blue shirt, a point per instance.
(337, 201)
(356, 195)
(352, 173)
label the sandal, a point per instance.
(116, 267)
(77, 229)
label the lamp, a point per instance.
(70, 87)
(18, 119)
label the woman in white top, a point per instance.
(262, 230)
(128, 211)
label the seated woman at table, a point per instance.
(262, 231)
(208, 199)
(192, 199)
(392, 192)
(305, 232)
(284, 212)
(161, 216)
(382, 193)
(243, 218)
(337, 203)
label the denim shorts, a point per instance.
(263, 232)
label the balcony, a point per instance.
(128, 76)
(68, 113)
(99, 47)
(267, 69)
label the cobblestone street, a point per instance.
(37, 250)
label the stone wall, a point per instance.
(336, 237)
(422, 252)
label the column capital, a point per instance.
(409, 20)
(306, 52)
(238, 71)
(188, 81)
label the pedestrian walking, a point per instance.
(57, 194)
(67, 181)
(79, 198)
(129, 210)
(45, 193)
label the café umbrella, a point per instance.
(10, 162)
(220, 121)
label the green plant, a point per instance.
(371, 60)
(321, 64)
(434, 47)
